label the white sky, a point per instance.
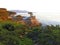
(51, 7)
(32, 5)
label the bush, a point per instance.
(8, 27)
(11, 33)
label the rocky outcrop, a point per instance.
(3, 9)
(3, 14)
(32, 21)
(19, 19)
(11, 15)
(8, 15)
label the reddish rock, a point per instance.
(19, 19)
(3, 9)
(32, 21)
(11, 15)
(3, 13)
(8, 15)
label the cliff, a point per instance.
(3, 13)
(8, 15)
(32, 21)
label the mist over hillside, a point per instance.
(46, 19)
(19, 11)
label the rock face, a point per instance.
(11, 15)
(19, 19)
(8, 15)
(3, 9)
(3, 13)
(32, 21)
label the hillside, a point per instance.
(12, 16)
(20, 30)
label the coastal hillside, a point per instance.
(12, 16)
(21, 30)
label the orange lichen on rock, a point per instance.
(19, 19)
(3, 14)
(3, 9)
(32, 21)
(9, 15)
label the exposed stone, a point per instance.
(3, 9)
(8, 15)
(19, 17)
(32, 21)
(3, 14)
(11, 15)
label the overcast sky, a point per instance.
(32, 5)
(51, 7)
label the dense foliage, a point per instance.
(12, 33)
